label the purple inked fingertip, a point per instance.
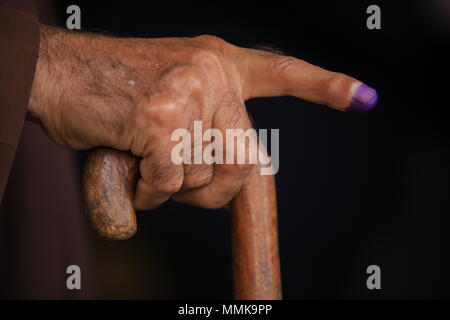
(364, 99)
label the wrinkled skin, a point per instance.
(130, 94)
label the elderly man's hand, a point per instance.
(131, 94)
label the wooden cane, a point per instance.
(109, 182)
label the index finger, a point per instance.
(266, 74)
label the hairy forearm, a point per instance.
(51, 74)
(43, 84)
(76, 76)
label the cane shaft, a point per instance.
(256, 263)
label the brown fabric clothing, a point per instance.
(19, 48)
(42, 226)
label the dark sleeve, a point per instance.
(19, 48)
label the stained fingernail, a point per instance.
(365, 98)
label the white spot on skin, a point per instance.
(131, 82)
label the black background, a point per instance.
(353, 189)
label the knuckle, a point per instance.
(199, 179)
(284, 64)
(209, 58)
(166, 106)
(187, 80)
(159, 111)
(213, 41)
(169, 186)
(237, 170)
(163, 176)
